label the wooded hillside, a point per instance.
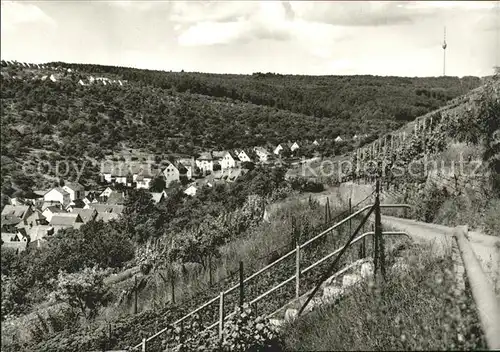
(167, 112)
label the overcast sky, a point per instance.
(379, 38)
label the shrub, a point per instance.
(491, 218)
(306, 185)
(431, 200)
(243, 331)
(83, 290)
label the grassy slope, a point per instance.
(416, 310)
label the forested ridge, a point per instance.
(345, 97)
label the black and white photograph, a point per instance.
(250, 175)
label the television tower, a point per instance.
(444, 52)
(497, 51)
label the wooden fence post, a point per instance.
(135, 294)
(350, 213)
(221, 314)
(210, 278)
(297, 269)
(181, 332)
(242, 279)
(379, 258)
(172, 289)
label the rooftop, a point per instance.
(74, 186)
(65, 219)
(15, 210)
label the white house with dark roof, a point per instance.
(189, 165)
(205, 162)
(157, 197)
(58, 194)
(229, 161)
(106, 193)
(280, 147)
(50, 211)
(171, 173)
(143, 181)
(243, 156)
(126, 173)
(262, 153)
(75, 190)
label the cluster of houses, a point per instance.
(15, 63)
(208, 168)
(58, 75)
(30, 221)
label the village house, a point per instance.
(338, 139)
(143, 181)
(107, 208)
(191, 190)
(262, 154)
(77, 203)
(34, 219)
(58, 195)
(142, 175)
(115, 174)
(91, 197)
(30, 199)
(127, 173)
(116, 198)
(280, 148)
(294, 146)
(205, 162)
(75, 190)
(218, 155)
(66, 220)
(158, 197)
(171, 173)
(86, 215)
(38, 234)
(50, 211)
(189, 165)
(229, 161)
(243, 156)
(316, 143)
(107, 192)
(9, 223)
(16, 240)
(106, 217)
(19, 211)
(233, 174)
